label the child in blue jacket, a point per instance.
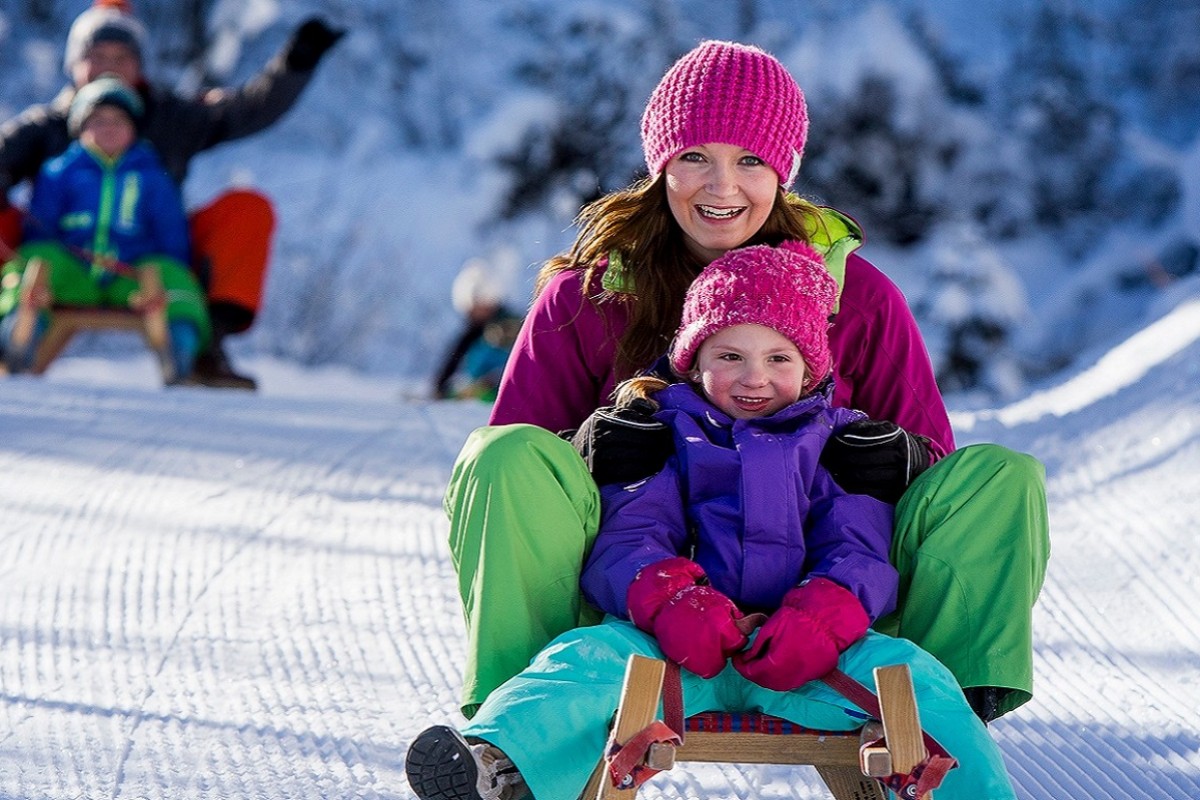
(100, 215)
(743, 519)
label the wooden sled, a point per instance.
(846, 761)
(66, 321)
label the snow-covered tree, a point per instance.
(1157, 46)
(972, 308)
(889, 137)
(1054, 104)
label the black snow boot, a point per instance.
(212, 366)
(441, 765)
(985, 701)
(213, 369)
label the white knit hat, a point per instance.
(105, 21)
(477, 284)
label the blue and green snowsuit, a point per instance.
(90, 219)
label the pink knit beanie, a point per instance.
(729, 93)
(786, 288)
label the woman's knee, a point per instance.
(504, 447)
(1010, 466)
(524, 453)
(523, 462)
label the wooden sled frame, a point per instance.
(844, 760)
(66, 321)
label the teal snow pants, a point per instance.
(552, 719)
(971, 546)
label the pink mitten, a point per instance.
(803, 639)
(698, 629)
(655, 585)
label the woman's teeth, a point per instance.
(718, 213)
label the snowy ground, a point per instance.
(214, 594)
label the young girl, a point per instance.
(742, 519)
(103, 209)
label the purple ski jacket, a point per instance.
(562, 366)
(748, 501)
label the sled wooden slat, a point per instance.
(639, 703)
(844, 760)
(901, 722)
(66, 321)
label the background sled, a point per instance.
(67, 321)
(846, 761)
(151, 322)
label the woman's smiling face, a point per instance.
(720, 194)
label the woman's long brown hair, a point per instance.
(637, 223)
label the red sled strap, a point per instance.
(928, 774)
(627, 763)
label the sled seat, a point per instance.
(848, 762)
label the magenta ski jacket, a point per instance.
(562, 366)
(748, 501)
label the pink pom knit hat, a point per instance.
(729, 93)
(786, 288)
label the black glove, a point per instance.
(875, 457)
(623, 444)
(310, 42)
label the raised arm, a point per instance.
(180, 127)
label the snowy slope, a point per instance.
(260, 604)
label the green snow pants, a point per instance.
(73, 283)
(971, 546)
(552, 719)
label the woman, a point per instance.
(723, 134)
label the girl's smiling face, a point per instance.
(720, 194)
(749, 370)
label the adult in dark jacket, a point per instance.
(231, 236)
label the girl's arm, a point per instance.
(641, 523)
(848, 537)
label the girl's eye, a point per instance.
(729, 357)
(781, 359)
